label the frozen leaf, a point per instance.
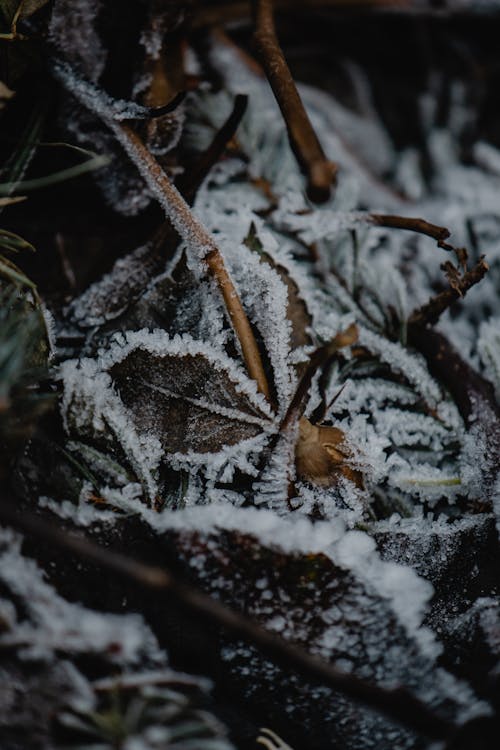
(173, 398)
(331, 595)
(116, 291)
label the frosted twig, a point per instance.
(176, 210)
(104, 105)
(319, 171)
(430, 313)
(396, 703)
(194, 233)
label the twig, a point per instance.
(194, 233)
(396, 703)
(189, 183)
(320, 172)
(440, 234)
(430, 313)
(103, 104)
(176, 210)
(318, 359)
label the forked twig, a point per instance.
(430, 313)
(320, 172)
(396, 703)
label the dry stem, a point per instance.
(319, 171)
(440, 234)
(194, 233)
(189, 183)
(430, 313)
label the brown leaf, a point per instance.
(322, 456)
(185, 401)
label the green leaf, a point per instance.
(13, 242)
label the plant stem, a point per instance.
(429, 314)
(319, 171)
(193, 232)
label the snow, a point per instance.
(54, 624)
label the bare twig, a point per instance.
(318, 359)
(430, 313)
(176, 209)
(396, 703)
(320, 172)
(193, 232)
(190, 182)
(440, 234)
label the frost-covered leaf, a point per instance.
(167, 398)
(331, 594)
(49, 651)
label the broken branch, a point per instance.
(320, 172)
(429, 314)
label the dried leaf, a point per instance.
(322, 456)
(26, 8)
(185, 401)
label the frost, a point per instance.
(489, 351)
(410, 365)
(145, 383)
(408, 593)
(54, 624)
(115, 291)
(73, 30)
(94, 98)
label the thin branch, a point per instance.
(194, 233)
(421, 226)
(429, 314)
(176, 209)
(189, 183)
(396, 703)
(320, 172)
(318, 359)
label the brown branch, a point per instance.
(319, 358)
(396, 703)
(189, 183)
(440, 234)
(320, 172)
(194, 233)
(429, 314)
